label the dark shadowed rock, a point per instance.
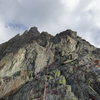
(70, 33)
(44, 38)
(64, 34)
(34, 31)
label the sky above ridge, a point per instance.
(52, 16)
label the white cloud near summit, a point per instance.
(53, 16)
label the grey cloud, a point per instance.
(32, 11)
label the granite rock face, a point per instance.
(39, 66)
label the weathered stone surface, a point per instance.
(65, 64)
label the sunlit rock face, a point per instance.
(35, 65)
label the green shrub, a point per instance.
(62, 80)
(56, 73)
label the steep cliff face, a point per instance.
(39, 66)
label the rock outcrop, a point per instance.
(39, 66)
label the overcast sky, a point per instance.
(53, 16)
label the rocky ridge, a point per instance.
(38, 65)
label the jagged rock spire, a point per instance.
(34, 31)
